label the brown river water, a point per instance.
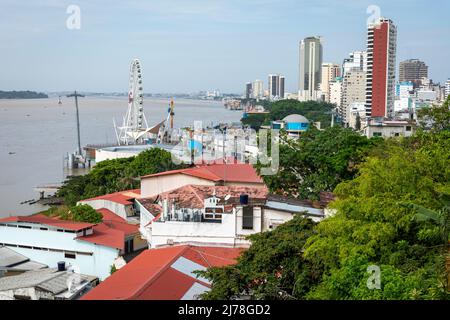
(36, 134)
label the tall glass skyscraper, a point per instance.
(310, 68)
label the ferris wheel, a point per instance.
(134, 126)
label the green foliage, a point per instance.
(83, 213)
(115, 175)
(255, 121)
(272, 268)
(436, 118)
(112, 269)
(318, 161)
(371, 225)
(314, 111)
(80, 213)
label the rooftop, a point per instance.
(295, 118)
(42, 219)
(112, 231)
(234, 172)
(11, 260)
(121, 197)
(49, 280)
(193, 196)
(163, 274)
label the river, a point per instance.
(36, 134)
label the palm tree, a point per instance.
(440, 217)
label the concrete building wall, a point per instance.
(121, 210)
(155, 185)
(91, 259)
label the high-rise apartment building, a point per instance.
(335, 91)
(447, 88)
(330, 72)
(276, 86)
(281, 87)
(248, 90)
(257, 89)
(380, 79)
(310, 68)
(353, 91)
(357, 60)
(413, 70)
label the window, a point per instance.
(247, 218)
(70, 255)
(408, 128)
(43, 229)
(377, 134)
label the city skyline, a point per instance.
(178, 53)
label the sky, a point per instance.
(191, 45)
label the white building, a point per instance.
(258, 89)
(310, 69)
(335, 94)
(46, 240)
(356, 61)
(356, 115)
(353, 91)
(389, 129)
(215, 215)
(330, 72)
(447, 88)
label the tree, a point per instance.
(313, 111)
(272, 268)
(83, 213)
(371, 227)
(435, 118)
(440, 218)
(318, 161)
(255, 121)
(116, 175)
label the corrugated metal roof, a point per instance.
(9, 257)
(50, 280)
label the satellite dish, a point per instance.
(227, 197)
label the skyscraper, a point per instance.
(310, 72)
(248, 90)
(258, 89)
(447, 88)
(273, 86)
(281, 87)
(330, 72)
(276, 86)
(381, 53)
(413, 70)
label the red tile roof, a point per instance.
(193, 196)
(112, 231)
(121, 197)
(106, 236)
(42, 219)
(152, 275)
(234, 172)
(113, 221)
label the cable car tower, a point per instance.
(134, 126)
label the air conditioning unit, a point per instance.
(170, 242)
